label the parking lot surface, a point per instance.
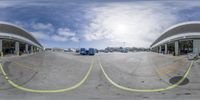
(140, 70)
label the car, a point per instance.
(83, 51)
(87, 52)
(91, 51)
(124, 50)
(77, 51)
(105, 51)
(96, 51)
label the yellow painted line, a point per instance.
(161, 74)
(47, 91)
(168, 69)
(168, 66)
(146, 90)
(165, 72)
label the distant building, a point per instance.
(70, 50)
(126, 49)
(58, 49)
(48, 49)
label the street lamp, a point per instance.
(79, 40)
(124, 44)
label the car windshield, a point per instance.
(99, 49)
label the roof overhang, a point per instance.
(184, 30)
(11, 31)
(17, 37)
(183, 36)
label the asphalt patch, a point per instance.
(175, 79)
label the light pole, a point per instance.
(124, 44)
(79, 40)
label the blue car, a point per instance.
(83, 51)
(91, 51)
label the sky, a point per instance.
(97, 23)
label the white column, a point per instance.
(1, 45)
(37, 49)
(157, 49)
(165, 48)
(196, 46)
(17, 48)
(160, 49)
(1, 48)
(31, 49)
(26, 48)
(176, 48)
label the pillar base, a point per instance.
(1, 54)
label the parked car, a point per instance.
(124, 50)
(96, 51)
(91, 51)
(77, 51)
(83, 51)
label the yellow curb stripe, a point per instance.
(47, 91)
(145, 90)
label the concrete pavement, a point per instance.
(135, 70)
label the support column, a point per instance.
(26, 48)
(196, 46)
(160, 49)
(176, 48)
(37, 49)
(31, 49)
(1, 48)
(166, 49)
(17, 48)
(157, 50)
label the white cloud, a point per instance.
(65, 34)
(5, 4)
(40, 35)
(42, 26)
(75, 39)
(134, 24)
(59, 38)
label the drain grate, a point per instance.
(175, 79)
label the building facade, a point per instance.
(15, 40)
(179, 39)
